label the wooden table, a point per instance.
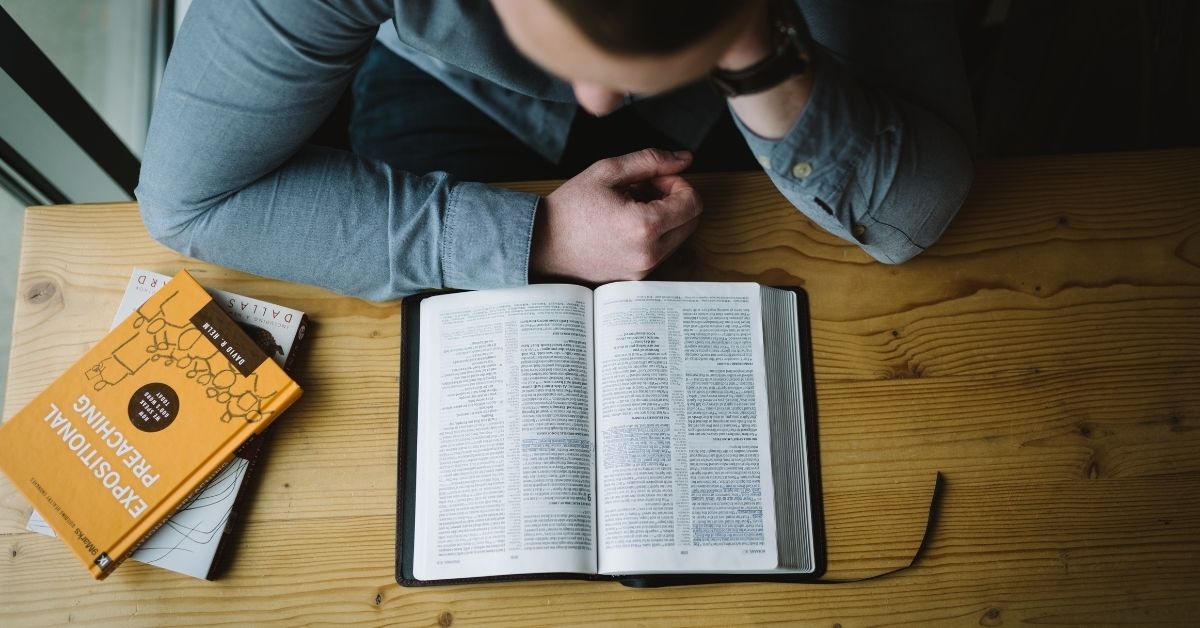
(1045, 356)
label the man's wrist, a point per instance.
(536, 270)
(769, 52)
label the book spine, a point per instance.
(245, 492)
(301, 329)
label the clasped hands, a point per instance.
(617, 219)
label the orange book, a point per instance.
(121, 439)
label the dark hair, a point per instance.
(646, 26)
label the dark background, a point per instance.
(1071, 76)
(1062, 76)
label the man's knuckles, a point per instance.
(644, 163)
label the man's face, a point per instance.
(600, 78)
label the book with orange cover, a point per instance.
(110, 449)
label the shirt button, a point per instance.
(764, 161)
(802, 170)
(858, 231)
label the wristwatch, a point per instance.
(789, 59)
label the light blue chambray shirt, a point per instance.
(880, 157)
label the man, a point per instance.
(866, 129)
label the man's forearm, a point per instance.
(227, 176)
(772, 113)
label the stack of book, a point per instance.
(143, 448)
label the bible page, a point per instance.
(505, 447)
(683, 446)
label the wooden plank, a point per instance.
(1044, 356)
(1046, 425)
(1014, 551)
(1090, 261)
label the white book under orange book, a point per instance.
(141, 421)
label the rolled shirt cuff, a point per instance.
(871, 169)
(486, 235)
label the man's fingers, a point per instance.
(616, 220)
(656, 188)
(670, 184)
(641, 166)
(680, 204)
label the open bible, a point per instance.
(648, 432)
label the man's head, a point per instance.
(607, 48)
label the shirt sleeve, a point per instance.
(227, 176)
(881, 155)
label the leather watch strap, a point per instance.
(789, 59)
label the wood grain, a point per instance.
(1043, 356)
